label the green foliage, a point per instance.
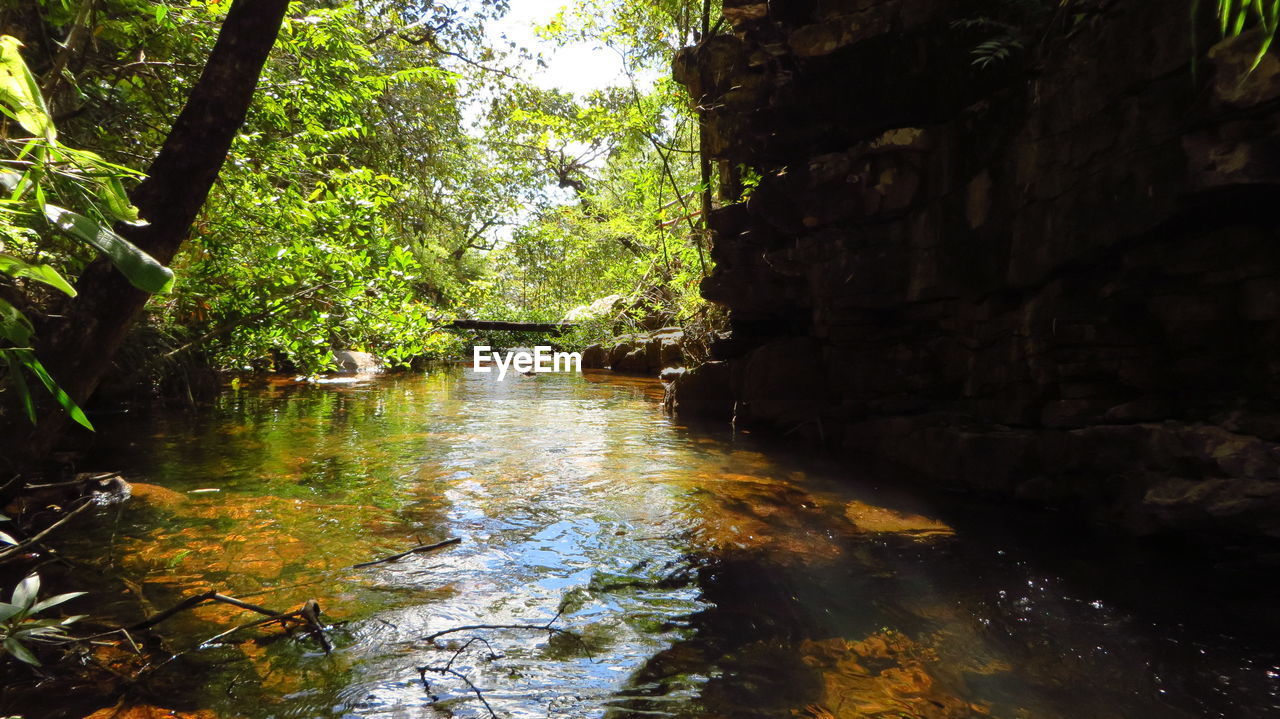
(996, 50)
(632, 224)
(19, 625)
(35, 172)
(337, 222)
(648, 33)
(1004, 29)
(1235, 15)
(20, 95)
(142, 269)
(397, 169)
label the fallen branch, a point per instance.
(426, 686)
(447, 668)
(195, 601)
(586, 650)
(38, 537)
(554, 328)
(15, 481)
(81, 479)
(308, 616)
(492, 653)
(415, 550)
(470, 627)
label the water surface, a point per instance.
(699, 576)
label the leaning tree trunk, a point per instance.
(79, 347)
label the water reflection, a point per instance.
(701, 578)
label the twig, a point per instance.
(152, 63)
(469, 627)
(83, 479)
(197, 600)
(80, 29)
(13, 481)
(415, 550)
(24, 544)
(428, 38)
(308, 615)
(492, 654)
(422, 673)
(586, 650)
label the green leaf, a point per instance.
(24, 595)
(49, 631)
(28, 359)
(20, 652)
(7, 539)
(141, 269)
(111, 192)
(1269, 27)
(117, 201)
(20, 385)
(8, 611)
(14, 267)
(20, 92)
(55, 601)
(14, 326)
(9, 179)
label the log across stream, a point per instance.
(687, 572)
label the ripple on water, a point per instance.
(699, 576)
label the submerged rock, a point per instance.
(156, 496)
(880, 520)
(148, 712)
(887, 674)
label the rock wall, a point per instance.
(648, 353)
(1052, 276)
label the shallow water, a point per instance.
(699, 576)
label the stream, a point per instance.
(698, 573)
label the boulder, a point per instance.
(594, 357)
(704, 391)
(603, 308)
(670, 342)
(783, 383)
(1189, 505)
(671, 374)
(351, 362)
(635, 361)
(619, 351)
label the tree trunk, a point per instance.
(78, 348)
(553, 328)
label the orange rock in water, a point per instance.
(886, 675)
(879, 520)
(146, 712)
(155, 495)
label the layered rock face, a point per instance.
(1053, 275)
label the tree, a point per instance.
(79, 346)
